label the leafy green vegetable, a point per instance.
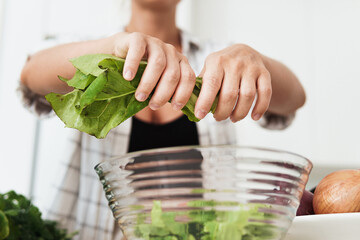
(4, 226)
(93, 91)
(19, 219)
(209, 224)
(79, 80)
(102, 99)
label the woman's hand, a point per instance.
(237, 73)
(167, 69)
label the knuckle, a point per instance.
(220, 117)
(240, 115)
(172, 50)
(221, 58)
(267, 91)
(212, 82)
(261, 110)
(245, 46)
(253, 70)
(159, 59)
(159, 99)
(180, 100)
(137, 36)
(140, 46)
(144, 90)
(188, 75)
(120, 52)
(246, 50)
(237, 66)
(217, 59)
(234, 119)
(145, 87)
(264, 72)
(248, 92)
(172, 75)
(212, 57)
(230, 95)
(157, 41)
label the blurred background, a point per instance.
(319, 40)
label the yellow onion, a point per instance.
(338, 192)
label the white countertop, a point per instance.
(341, 226)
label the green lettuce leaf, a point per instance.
(94, 89)
(79, 80)
(102, 99)
(89, 64)
(209, 224)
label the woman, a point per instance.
(237, 73)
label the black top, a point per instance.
(180, 132)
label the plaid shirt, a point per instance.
(79, 203)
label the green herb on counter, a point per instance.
(19, 219)
(210, 224)
(102, 99)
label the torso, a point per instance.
(164, 115)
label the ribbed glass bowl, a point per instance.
(205, 193)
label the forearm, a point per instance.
(42, 69)
(287, 93)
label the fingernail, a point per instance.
(200, 114)
(140, 96)
(177, 106)
(257, 116)
(154, 106)
(128, 75)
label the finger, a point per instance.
(121, 47)
(264, 96)
(135, 53)
(247, 94)
(185, 86)
(168, 82)
(153, 71)
(212, 79)
(202, 72)
(229, 93)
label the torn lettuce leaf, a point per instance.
(209, 224)
(102, 99)
(79, 80)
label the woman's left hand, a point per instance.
(237, 73)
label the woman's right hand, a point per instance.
(168, 71)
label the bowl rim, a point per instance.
(188, 147)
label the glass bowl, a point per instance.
(205, 193)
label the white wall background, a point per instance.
(319, 40)
(2, 6)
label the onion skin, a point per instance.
(306, 204)
(338, 192)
